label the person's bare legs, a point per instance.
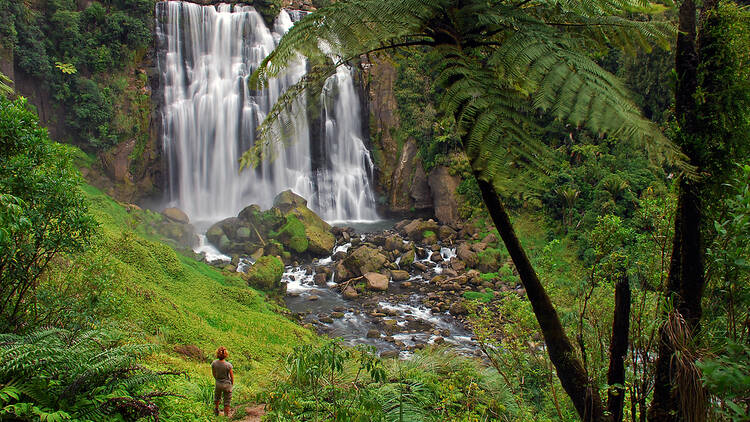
(216, 408)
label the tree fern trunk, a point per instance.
(573, 377)
(686, 279)
(618, 348)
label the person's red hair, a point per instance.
(222, 353)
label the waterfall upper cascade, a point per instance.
(210, 116)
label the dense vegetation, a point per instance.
(86, 60)
(635, 268)
(508, 79)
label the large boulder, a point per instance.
(466, 255)
(288, 200)
(266, 274)
(417, 228)
(320, 241)
(393, 243)
(364, 260)
(176, 214)
(319, 233)
(292, 235)
(443, 186)
(375, 281)
(182, 234)
(400, 275)
(407, 258)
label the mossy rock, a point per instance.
(266, 274)
(224, 243)
(429, 237)
(214, 234)
(293, 235)
(243, 233)
(407, 258)
(365, 260)
(321, 242)
(490, 259)
(274, 248)
(288, 200)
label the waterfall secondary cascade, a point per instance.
(205, 56)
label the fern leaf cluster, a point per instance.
(86, 375)
(504, 65)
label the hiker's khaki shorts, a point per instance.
(223, 390)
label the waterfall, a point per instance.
(205, 56)
(343, 182)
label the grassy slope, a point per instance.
(168, 299)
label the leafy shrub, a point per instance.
(332, 383)
(61, 375)
(41, 208)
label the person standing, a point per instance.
(224, 376)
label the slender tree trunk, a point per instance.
(687, 272)
(618, 348)
(573, 377)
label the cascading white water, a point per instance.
(344, 191)
(209, 116)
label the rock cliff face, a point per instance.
(401, 180)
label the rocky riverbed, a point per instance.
(400, 288)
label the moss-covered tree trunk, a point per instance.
(686, 280)
(618, 348)
(570, 371)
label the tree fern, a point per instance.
(85, 375)
(502, 65)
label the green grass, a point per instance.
(169, 299)
(484, 297)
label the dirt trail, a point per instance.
(255, 413)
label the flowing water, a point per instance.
(210, 117)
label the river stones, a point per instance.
(350, 293)
(446, 234)
(389, 354)
(407, 258)
(363, 260)
(393, 243)
(416, 229)
(373, 333)
(375, 281)
(320, 279)
(458, 308)
(468, 256)
(176, 214)
(399, 275)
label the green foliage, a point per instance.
(726, 369)
(171, 300)
(331, 383)
(74, 52)
(727, 376)
(601, 176)
(723, 94)
(493, 85)
(57, 375)
(419, 117)
(484, 297)
(41, 210)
